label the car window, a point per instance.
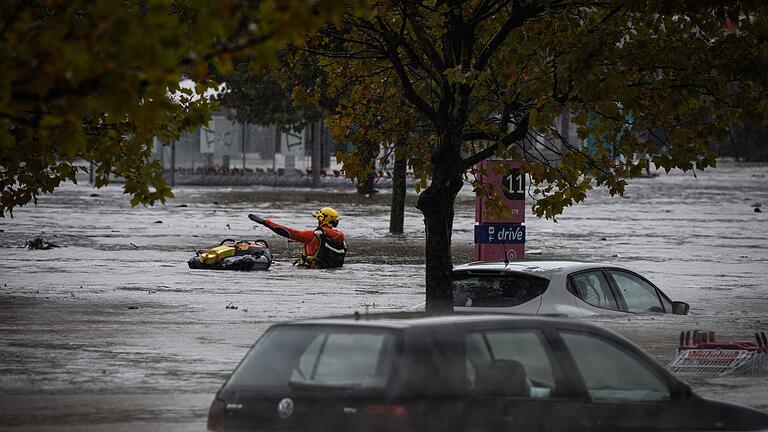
(343, 359)
(299, 357)
(496, 290)
(593, 288)
(613, 374)
(639, 295)
(508, 363)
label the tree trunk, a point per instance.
(436, 203)
(397, 210)
(368, 152)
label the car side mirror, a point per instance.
(683, 391)
(680, 308)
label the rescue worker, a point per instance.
(324, 247)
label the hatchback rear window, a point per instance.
(318, 357)
(496, 289)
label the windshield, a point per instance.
(502, 289)
(308, 357)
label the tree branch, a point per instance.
(518, 134)
(427, 44)
(410, 92)
(479, 135)
(517, 19)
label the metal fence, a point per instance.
(700, 355)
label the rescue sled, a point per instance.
(699, 354)
(243, 255)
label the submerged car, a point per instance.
(462, 373)
(560, 288)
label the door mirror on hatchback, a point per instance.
(680, 308)
(683, 391)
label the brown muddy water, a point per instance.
(112, 331)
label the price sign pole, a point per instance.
(497, 239)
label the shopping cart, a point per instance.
(699, 354)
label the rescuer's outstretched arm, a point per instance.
(290, 233)
(284, 231)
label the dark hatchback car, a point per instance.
(459, 373)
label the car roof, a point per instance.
(536, 268)
(408, 320)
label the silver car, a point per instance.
(563, 288)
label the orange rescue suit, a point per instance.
(314, 241)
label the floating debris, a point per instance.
(39, 244)
(230, 306)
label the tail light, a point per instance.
(386, 418)
(216, 416)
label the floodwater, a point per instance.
(113, 331)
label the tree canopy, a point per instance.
(98, 80)
(258, 95)
(452, 81)
(647, 82)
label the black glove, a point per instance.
(257, 219)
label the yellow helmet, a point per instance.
(327, 216)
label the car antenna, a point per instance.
(506, 256)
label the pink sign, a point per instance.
(503, 179)
(497, 252)
(493, 239)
